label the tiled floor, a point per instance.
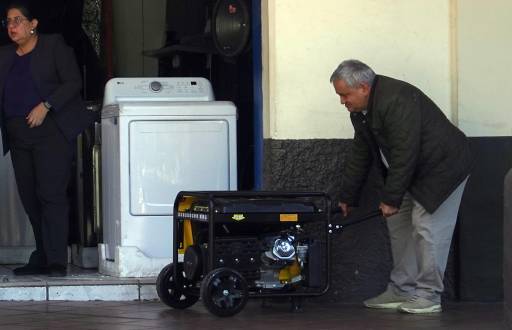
(155, 315)
(56, 305)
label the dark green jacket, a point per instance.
(428, 156)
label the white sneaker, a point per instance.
(387, 299)
(419, 305)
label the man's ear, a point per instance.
(366, 88)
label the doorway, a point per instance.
(190, 50)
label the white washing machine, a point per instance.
(159, 136)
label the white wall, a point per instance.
(485, 67)
(406, 39)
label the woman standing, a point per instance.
(41, 113)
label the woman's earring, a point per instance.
(32, 31)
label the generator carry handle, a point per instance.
(346, 221)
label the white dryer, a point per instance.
(159, 136)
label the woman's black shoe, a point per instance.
(30, 269)
(57, 270)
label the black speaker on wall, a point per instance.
(231, 23)
(205, 27)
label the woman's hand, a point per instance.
(37, 115)
(345, 209)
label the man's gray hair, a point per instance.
(354, 73)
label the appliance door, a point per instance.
(167, 156)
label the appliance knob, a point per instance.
(155, 86)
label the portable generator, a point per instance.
(231, 245)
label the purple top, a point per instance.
(20, 92)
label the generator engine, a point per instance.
(283, 259)
(272, 261)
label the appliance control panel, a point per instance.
(157, 89)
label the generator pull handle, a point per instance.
(347, 222)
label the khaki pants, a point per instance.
(420, 243)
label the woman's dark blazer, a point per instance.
(58, 80)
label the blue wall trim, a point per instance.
(257, 94)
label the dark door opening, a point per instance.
(190, 51)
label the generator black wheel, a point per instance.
(224, 292)
(173, 291)
(193, 262)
